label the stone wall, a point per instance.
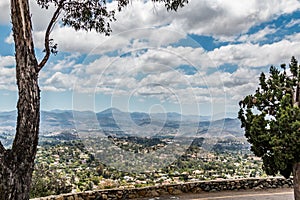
(175, 189)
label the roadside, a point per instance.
(269, 194)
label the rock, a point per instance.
(104, 196)
(185, 189)
(170, 190)
(164, 190)
(132, 196)
(70, 198)
(141, 192)
(207, 188)
(176, 192)
(119, 195)
(60, 198)
(196, 190)
(152, 193)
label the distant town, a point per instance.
(109, 157)
(69, 166)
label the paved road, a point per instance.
(273, 194)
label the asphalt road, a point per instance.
(272, 194)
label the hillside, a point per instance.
(115, 122)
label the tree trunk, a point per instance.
(17, 163)
(296, 174)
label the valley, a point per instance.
(80, 151)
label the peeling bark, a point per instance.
(17, 164)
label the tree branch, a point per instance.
(47, 36)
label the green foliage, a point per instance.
(46, 181)
(93, 14)
(271, 118)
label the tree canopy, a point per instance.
(87, 15)
(271, 118)
(17, 163)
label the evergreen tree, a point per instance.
(271, 119)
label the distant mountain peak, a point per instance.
(58, 111)
(111, 110)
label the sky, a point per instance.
(201, 60)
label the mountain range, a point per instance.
(115, 119)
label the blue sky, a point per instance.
(201, 60)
